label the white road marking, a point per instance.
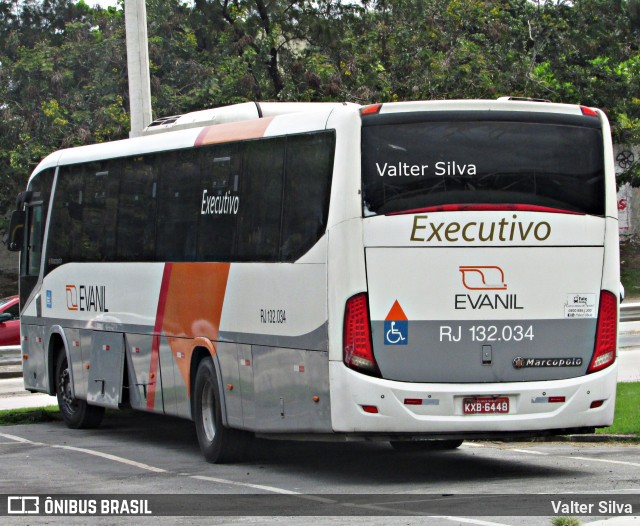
(272, 489)
(529, 451)
(20, 439)
(396, 511)
(467, 520)
(109, 456)
(634, 464)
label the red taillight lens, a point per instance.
(588, 111)
(372, 109)
(606, 333)
(357, 347)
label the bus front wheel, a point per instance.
(219, 444)
(77, 414)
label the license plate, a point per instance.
(485, 406)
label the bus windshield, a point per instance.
(421, 162)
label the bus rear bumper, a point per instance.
(363, 404)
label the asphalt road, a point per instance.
(135, 453)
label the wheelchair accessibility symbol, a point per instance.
(396, 332)
(396, 326)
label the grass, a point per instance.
(12, 417)
(565, 521)
(630, 267)
(627, 419)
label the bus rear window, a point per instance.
(412, 162)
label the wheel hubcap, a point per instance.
(64, 389)
(208, 412)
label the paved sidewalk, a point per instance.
(12, 392)
(10, 362)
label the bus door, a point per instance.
(32, 207)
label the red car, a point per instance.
(9, 321)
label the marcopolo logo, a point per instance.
(523, 363)
(478, 231)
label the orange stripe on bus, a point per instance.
(157, 333)
(193, 308)
(233, 131)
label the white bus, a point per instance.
(419, 273)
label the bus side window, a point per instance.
(220, 201)
(66, 219)
(260, 212)
(307, 192)
(99, 215)
(136, 230)
(179, 197)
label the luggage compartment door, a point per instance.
(106, 369)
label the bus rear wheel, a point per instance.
(425, 445)
(219, 444)
(77, 414)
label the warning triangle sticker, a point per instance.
(396, 313)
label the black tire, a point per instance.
(425, 445)
(77, 414)
(219, 444)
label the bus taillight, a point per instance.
(588, 111)
(372, 109)
(357, 347)
(606, 333)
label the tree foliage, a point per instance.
(63, 78)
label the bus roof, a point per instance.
(177, 132)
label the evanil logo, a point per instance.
(87, 298)
(485, 231)
(484, 278)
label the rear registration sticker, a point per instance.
(485, 406)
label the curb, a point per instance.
(592, 438)
(11, 370)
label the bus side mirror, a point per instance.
(16, 230)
